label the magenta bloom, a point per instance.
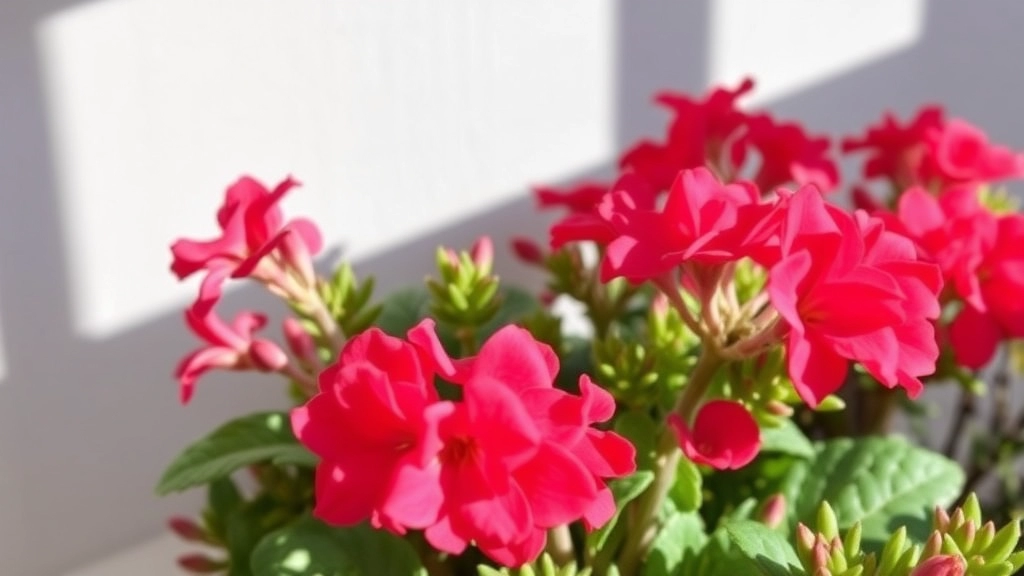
(498, 468)
(369, 426)
(252, 227)
(228, 347)
(519, 456)
(933, 152)
(590, 224)
(788, 154)
(702, 220)
(848, 290)
(697, 136)
(724, 435)
(976, 332)
(894, 150)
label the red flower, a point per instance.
(850, 291)
(519, 455)
(724, 435)
(702, 220)
(229, 347)
(787, 154)
(894, 151)
(933, 152)
(697, 136)
(513, 458)
(593, 225)
(959, 152)
(954, 230)
(251, 228)
(369, 425)
(975, 333)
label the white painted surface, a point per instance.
(411, 123)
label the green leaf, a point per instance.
(766, 548)
(262, 437)
(884, 483)
(624, 490)
(786, 439)
(642, 431)
(686, 492)
(677, 545)
(311, 548)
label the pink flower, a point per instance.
(941, 565)
(369, 425)
(975, 333)
(579, 199)
(229, 347)
(251, 228)
(848, 290)
(933, 152)
(953, 230)
(788, 154)
(960, 152)
(498, 468)
(593, 225)
(519, 456)
(702, 220)
(697, 136)
(895, 151)
(724, 435)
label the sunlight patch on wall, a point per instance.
(398, 118)
(790, 45)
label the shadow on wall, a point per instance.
(87, 425)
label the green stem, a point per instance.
(645, 527)
(330, 332)
(560, 545)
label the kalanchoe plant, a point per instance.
(750, 342)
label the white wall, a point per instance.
(410, 123)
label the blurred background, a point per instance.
(410, 123)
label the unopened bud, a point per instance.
(943, 565)
(482, 254)
(933, 546)
(774, 511)
(527, 251)
(777, 408)
(941, 519)
(297, 257)
(820, 555)
(267, 356)
(200, 564)
(186, 529)
(299, 341)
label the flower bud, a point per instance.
(267, 356)
(297, 258)
(186, 529)
(482, 253)
(527, 251)
(944, 565)
(774, 511)
(200, 564)
(300, 343)
(777, 408)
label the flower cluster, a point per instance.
(255, 242)
(457, 430)
(511, 459)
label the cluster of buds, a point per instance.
(464, 296)
(959, 545)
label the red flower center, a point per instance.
(459, 449)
